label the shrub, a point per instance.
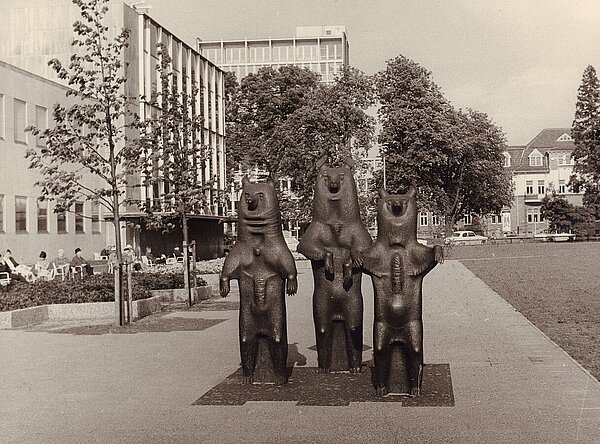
(97, 288)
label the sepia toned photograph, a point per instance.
(320, 221)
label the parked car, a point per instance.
(465, 238)
(553, 236)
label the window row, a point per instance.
(22, 212)
(541, 187)
(21, 116)
(276, 52)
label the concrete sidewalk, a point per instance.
(511, 383)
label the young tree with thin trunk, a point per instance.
(174, 152)
(85, 153)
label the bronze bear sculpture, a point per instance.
(262, 263)
(334, 243)
(397, 264)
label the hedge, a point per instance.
(96, 288)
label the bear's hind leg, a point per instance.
(382, 358)
(415, 356)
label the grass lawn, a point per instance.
(555, 285)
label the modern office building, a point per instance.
(30, 37)
(322, 49)
(27, 225)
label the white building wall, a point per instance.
(16, 179)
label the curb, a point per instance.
(25, 317)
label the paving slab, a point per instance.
(510, 383)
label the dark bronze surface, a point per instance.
(334, 243)
(397, 264)
(262, 263)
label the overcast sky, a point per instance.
(519, 61)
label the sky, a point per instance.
(519, 61)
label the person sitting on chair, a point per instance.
(79, 261)
(40, 269)
(18, 269)
(5, 268)
(62, 261)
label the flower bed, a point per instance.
(97, 288)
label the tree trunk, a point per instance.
(186, 258)
(119, 306)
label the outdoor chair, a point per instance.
(59, 271)
(4, 278)
(147, 263)
(171, 261)
(77, 270)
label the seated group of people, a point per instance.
(43, 268)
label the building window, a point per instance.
(423, 219)
(20, 121)
(79, 217)
(435, 219)
(41, 123)
(562, 188)
(42, 216)
(533, 217)
(1, 213)
(2, 124)
(21, 214)
(529, 187)
(506, 159)
(467, 220)
(61, 222)
(496, 219)
(535, 161)
(541, 187)
(561, 160)
(95, 218)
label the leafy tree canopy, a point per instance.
(564, 217)
(453, 157)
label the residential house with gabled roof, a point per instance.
(539, 168)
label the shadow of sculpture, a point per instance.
(262, 263)
(334, 243)
(397, 264)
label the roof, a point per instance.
(548, 140)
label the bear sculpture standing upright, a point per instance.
(262, 263)
(334, 243)
(397, 264)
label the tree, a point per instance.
(586, 133)
(332, 123)
(261, 104)
(91, 139)
(453, 157)
(174, 152)
(564, 217)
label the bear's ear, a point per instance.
(245, 180)
(272, 179)
(383, 193)
(412, 191)
(322, 161)
(349, 161)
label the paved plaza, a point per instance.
(510, 383)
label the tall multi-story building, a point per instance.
(27, 225)
(322, 49)
(541, 167)
(30, 37)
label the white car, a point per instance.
(466, 238)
